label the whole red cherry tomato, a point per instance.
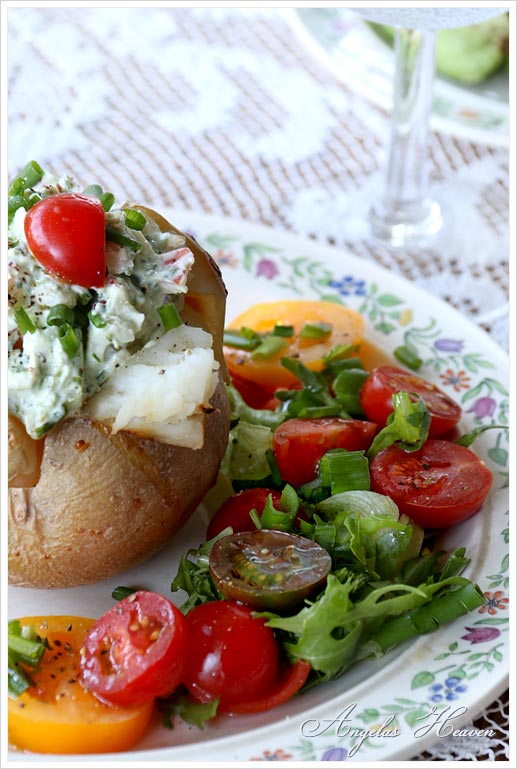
(377, 398)
(66, 235)
(439, 485)
(299, 444)
(137, 651)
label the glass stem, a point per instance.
(406, 215)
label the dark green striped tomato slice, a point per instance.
(268, 569)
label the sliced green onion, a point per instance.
(280, 330)
(280, 518)
(443, 608)
(339, 352)
(170, 316)
(107, 199)
(315, 330)
(69, 339)
(134, 219)
(23, 321)
(117, 237)
(408, 356)
(23, 646)
(97, 320)
(28, 177)
(342, 470)
(268, 348)
(59, 314)
(273, 466)
(347, 386)
(241, 340)
(14, 203)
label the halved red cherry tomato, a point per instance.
(377, 398)
(299, 444)
(290, 681)
(252, 393)
(267, 569)
(233, 655)
(66, 234)
(235, 511)
(137, 651)
(439, 485)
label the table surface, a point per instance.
(224, 111)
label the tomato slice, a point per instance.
(235, 511)
(346, 329)
(137, 651)
(439, 485)
(66, 235)
(377, 398)
(57, 714)
(299, 444)
(233, 654)
(290, 681)
(267, 569)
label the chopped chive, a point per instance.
(97, 320)
(107, 199)
(134, 219)
(28, 177)
(268, 348)
(69, 340)
(408, 355)
(59, 314)
(280, 330)
(315, 330)
(117, 237)
(170, 316)
(23, 321)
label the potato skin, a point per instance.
(104, 503)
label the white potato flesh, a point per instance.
(163, 391)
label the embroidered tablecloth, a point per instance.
(224, 111)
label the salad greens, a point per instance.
(385, 585)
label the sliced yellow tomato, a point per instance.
(57, 715)
(346, 329)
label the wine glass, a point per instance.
(406, 215)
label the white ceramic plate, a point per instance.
(346, 45)
(463, 667)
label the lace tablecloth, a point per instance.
(222, 110)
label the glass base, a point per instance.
(406, 225)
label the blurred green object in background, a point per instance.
(467, 54)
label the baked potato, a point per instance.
(98, 493)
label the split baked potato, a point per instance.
(90, 499)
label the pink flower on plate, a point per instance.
(478, 635)
(494, 602)
(266, 268)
